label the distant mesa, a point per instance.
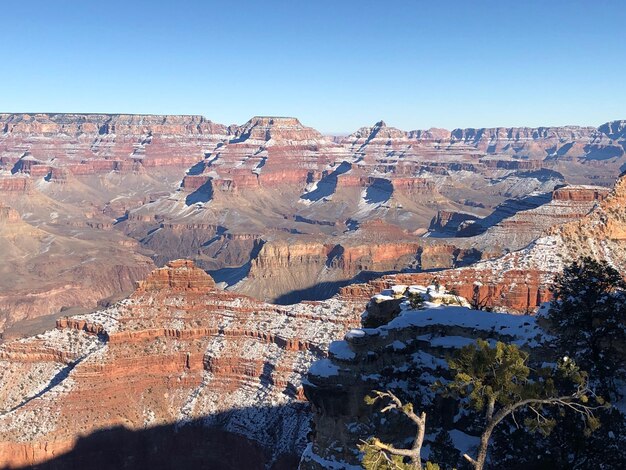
(177, 275)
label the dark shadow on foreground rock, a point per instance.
(192, 446)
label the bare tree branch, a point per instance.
(414, 453)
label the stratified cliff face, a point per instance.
(266, 152)
(286, 271)
(520, 148)
(450, 223)
(404, 351)
(179, 350)
(535, 143)
(98, 143)
(150, 189)
(520, 281)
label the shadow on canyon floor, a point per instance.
(325, 290)
(201, 195)
(507, 209)
(328, 184)
(172, 446)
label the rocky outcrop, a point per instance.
(178, 350)
(405, 351)
(15, 184)
(268, 128)
(580, 194)
(516, 290)
(494, 148)
(265, 152)
(520, 281)
(448, 222)
(414, 186)
(177, 275)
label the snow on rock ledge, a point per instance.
(406, 354)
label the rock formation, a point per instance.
(267, 151)
(177, 351)
(405, 352)
(230, 198)
(95, 143)
(519, 281)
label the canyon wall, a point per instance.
(150, 189)
(177, 351)
(96, 143)
(519, 281)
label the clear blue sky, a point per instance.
(336, 65)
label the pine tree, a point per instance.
(416, 300)
(497, 382)
(443, 452)
(378, 455)
(567, 447)
(588, 319)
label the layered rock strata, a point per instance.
(178, 350)
(520, 281)
(113, 182)
(97, 143)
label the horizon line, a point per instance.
(328, 133)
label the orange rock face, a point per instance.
(88, 144)
(15, 184)
(520, 281)
(514, 291)
(177, 275)
(580, 193)
(177, 350)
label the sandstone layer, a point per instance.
(231, 198)
(520, 281)
(177, 351)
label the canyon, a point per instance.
(273, 208)
(173, 279)
(520, 281)
(179, 351)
